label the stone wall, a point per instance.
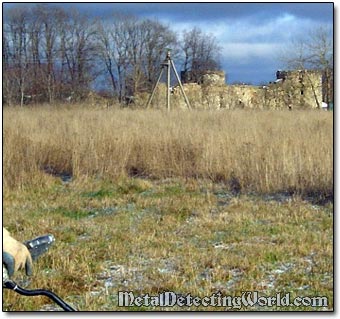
(297, 90)
(213, 78)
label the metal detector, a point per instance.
(36, 247)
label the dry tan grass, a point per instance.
(170, 235)
(186, 233)
(262, 151)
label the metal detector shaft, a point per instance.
(38, 292)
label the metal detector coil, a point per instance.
(39, 245)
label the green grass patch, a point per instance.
(99, 194)
(73, 214)
(146, 237)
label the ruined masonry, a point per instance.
(298, 89)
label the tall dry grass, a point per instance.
(261, 151)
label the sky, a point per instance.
(253, 36)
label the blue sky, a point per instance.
(252, 35)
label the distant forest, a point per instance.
(51, 54)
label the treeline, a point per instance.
(52, 54)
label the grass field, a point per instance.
(190, 202)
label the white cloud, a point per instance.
(242, 52)
(251, 42)
(282, 27)
(252, 37)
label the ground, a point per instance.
(182, 235)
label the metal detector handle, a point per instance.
(36, 247)
(5, 276)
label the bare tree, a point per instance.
(132, 50)
(44, 43)
(113, 43)
(106, 53)
(157, 38)
(79, 49)
(52, 53)
(313, 51)
(48, 53)
(16, 60)
(201, 54)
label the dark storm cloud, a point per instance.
(205, 11)
(251, 34)
(210, 11)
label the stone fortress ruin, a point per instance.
(297, 89)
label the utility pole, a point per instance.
(168, 63)
(168, 83)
